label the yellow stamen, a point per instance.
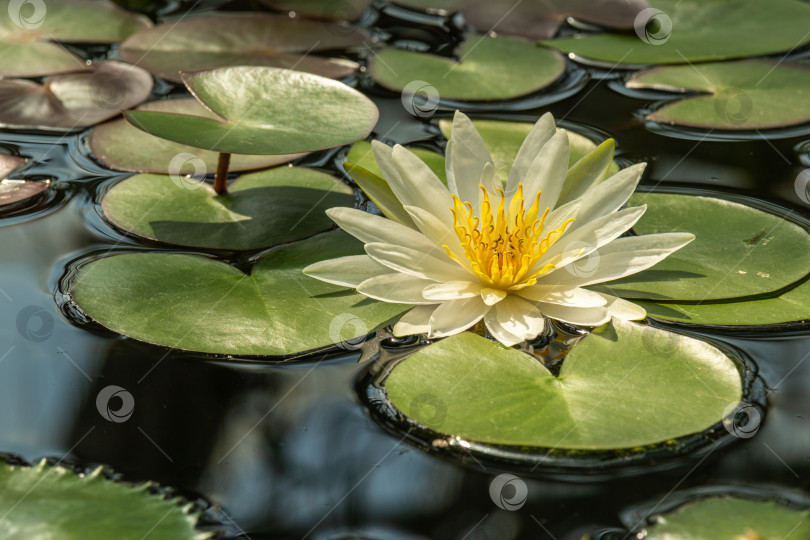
(504, 246)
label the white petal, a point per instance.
(519, 317)
(455, 316)
(369, 228)
(417, 263)
(539, 135)
(608, 196)
(562, 295)
(421, 187)
(451, 290)
(587, 172)
(593, 316)
(547, 172)
(492, 296)
(499, 332)
(347, 271)
(468, 155)
(436, 231)
(489, 179)
(621, 257)
(416, 321)
(622, 309)
(396, 288)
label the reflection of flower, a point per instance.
(499, 253)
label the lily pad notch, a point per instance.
(263, 111)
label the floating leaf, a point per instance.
(13, 191)
(747, 94)
(361, 154)
(265, 110)
(738, 251)
(121, 146)
(45, 501)
(211, 307)
(731, 518)
(9, 163)
(486, 69)
(242, 39)
(74, 100)
(681, 35)
(27, 33)
(503, 140)
(261, 209)
(615, 390)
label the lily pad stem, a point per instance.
(221, 180)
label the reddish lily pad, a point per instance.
(73, 100)
(242, 39)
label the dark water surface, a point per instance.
(288, 450)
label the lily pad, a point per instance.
(207, 306)
(121, 146)
(503, 140)
(613, 390)
(360, 154)
(242, 39)
(681, 34)
(74, 100)
(28, 32)
(265, 110)
(738, 251)
(261, 209)
(731, 518)
(14, 191)
(44, 501)
(747, 94)
(485, 69)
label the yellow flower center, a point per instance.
(504, 246)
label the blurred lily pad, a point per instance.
(27, 34)
(44, 501)
(13, 190)
(747, 94)
(242, 39)
(676, 32)
(731, 518)
(121, 146)
(261, 209)
(212, 307)
(738, 251)
(73, 100)
(265, 110)
(615, 390)
(485, 69)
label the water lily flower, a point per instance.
(511, 252)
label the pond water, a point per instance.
(288, 450)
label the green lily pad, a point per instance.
(360, 154)
(682, 35)
(121, 146)
(44, 501)
(486, 69)
(28, 32)
(261, 209)
(731, 518)
(614, 391)
(503, 140)
(265, 110)
(738, 251)
(747, 94)
(196, 303)
(242, 39)
(73, 100)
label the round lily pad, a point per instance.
(28, 32)
(485, 69)
(242, 39)
(74, 100)
(211, 307)
(121, 146)
(747, 94)
(738, 251)
(265, 110)
(676, 32)
(14, 191)
(261, 209)
(44, 501)
(731, 518)
(614, 390)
